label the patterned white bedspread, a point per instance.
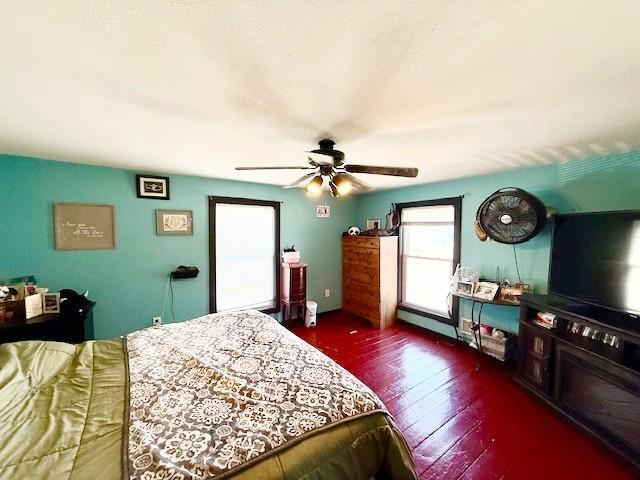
(220, 392)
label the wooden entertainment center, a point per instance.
(593, 384)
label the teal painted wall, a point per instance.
(129, 283)
(597, 184)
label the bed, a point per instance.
(229, 395)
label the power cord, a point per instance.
(450, 312)
(168, 289)
(171, 288)
(516, 259)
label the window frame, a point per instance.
(215, 200)
(456, 202)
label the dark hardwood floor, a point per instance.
(462, 414)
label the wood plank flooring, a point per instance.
(462, 414)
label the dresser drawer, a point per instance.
(297, 295)
(360, 256)
(298, 279)
(361, 242)
(361, 289)
(362, 274)
(363, 307)
(372, 271)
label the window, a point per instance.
(429, 253)
(244, 254)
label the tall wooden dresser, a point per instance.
(370, 278)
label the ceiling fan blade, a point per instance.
(356, 182)
(319, 158)
(300, 180)
(275, 168)
(376, 170)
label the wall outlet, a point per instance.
(156, 321)
(327, 292)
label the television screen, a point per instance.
(595, 258)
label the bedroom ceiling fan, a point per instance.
(328, 164)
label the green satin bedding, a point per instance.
(63, 410)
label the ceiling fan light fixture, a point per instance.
(334, 189)
(314, 187)
(342, 183)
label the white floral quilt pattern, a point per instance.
(216, 393)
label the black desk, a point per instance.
(52, 326)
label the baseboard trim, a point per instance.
(451, 340)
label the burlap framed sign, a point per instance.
(84, 226)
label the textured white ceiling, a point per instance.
(456, 88)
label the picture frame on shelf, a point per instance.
(463, 287)
(511, 293)
(174, 222)
(30, 289)
(33, 306)
(373, 223)
(51, 302)
(152, 187)
(486, 290)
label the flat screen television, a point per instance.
(595, 259)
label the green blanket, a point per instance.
(63, 409)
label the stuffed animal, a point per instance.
(4, 292)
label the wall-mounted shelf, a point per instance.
(482, 300)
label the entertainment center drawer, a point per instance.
(534, 358)
(536, 373)
(600, 395)
(537, 344)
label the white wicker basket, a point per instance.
(496, 347)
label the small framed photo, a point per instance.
(51, 302)
(174, 222)
(152, 187)
(323, 211)
(30, 290)
(463, 287)
(486, 290)
(373, 224)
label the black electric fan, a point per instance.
(510, 215)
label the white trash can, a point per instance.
(310, 314)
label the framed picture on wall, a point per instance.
(174, 222)
(373, 223)
(151, 186)
(84, 226)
